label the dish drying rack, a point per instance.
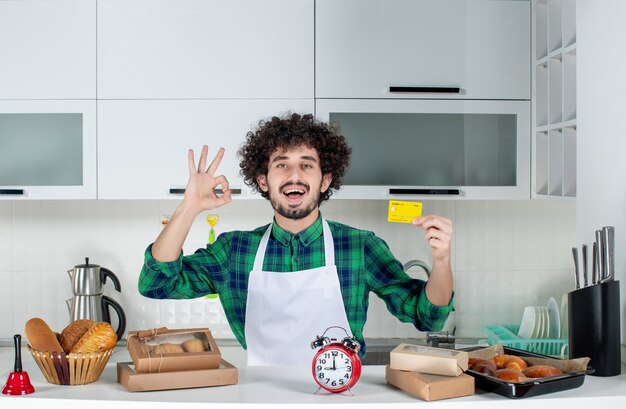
(507, 335)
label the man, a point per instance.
(284, 283)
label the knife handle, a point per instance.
(595, 265)
(601, 261)
(585, 275)
(608, 237)
(576, 276)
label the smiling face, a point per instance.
(294, 182)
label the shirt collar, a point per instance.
(306, 237)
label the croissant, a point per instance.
(509, 361)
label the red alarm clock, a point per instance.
(336, 366)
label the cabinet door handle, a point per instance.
(181, 191)
(424, 192)
(439, 90)
(16, 192)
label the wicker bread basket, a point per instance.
(72, 368)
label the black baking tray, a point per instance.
(527, 389)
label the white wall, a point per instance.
(601, 150)
(506, 254)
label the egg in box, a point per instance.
(169, 350)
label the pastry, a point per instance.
(193, 345)
(509, 361)
(73, 332)
(40, 336)
(541, 371)
(484, 366)
(98, 338)
(508, 374)
(167, 348)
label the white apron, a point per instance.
(286, 311)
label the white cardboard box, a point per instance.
(436, 361)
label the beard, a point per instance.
(296, 214)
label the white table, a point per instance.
(267, 387)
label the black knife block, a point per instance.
(594, 327)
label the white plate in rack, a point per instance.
(564, 317)
(541, 322)
(527, 326)
(555, 319)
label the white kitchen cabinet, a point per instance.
(433, 149)
(554, 99)
(205, 49)
(481, 47)
(47, 149)
(142, 144)
(48, 49)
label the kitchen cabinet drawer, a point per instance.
(47, 149)
(205, 49)
(142, 144)
(437, 149)
(48, 49)
(481, 47)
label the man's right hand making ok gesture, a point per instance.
(200, 191)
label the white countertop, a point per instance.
(265, 387)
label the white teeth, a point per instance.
(294, 191)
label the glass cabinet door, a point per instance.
(47, 149)
(474, 149)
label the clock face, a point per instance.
(336, 368)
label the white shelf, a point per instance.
(555, 35)
(569, 162)
(569, 87)
(569, 22)
(554, 92)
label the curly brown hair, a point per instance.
(288, 132)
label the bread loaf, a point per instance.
(41, 337)
(98, 338)
(541, 371)
(73, 332)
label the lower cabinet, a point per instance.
(142, 144)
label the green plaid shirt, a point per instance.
(364, 263)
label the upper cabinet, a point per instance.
(460, 49)
(142, 145)
(47, 149)
(167, 49)
(443, 149)
(48, 49)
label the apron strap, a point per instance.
(260, 252)
(329, 246)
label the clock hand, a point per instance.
(334, 366)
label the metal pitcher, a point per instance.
(89, 279)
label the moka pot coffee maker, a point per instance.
(89, 301)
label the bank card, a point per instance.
(403, 212)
